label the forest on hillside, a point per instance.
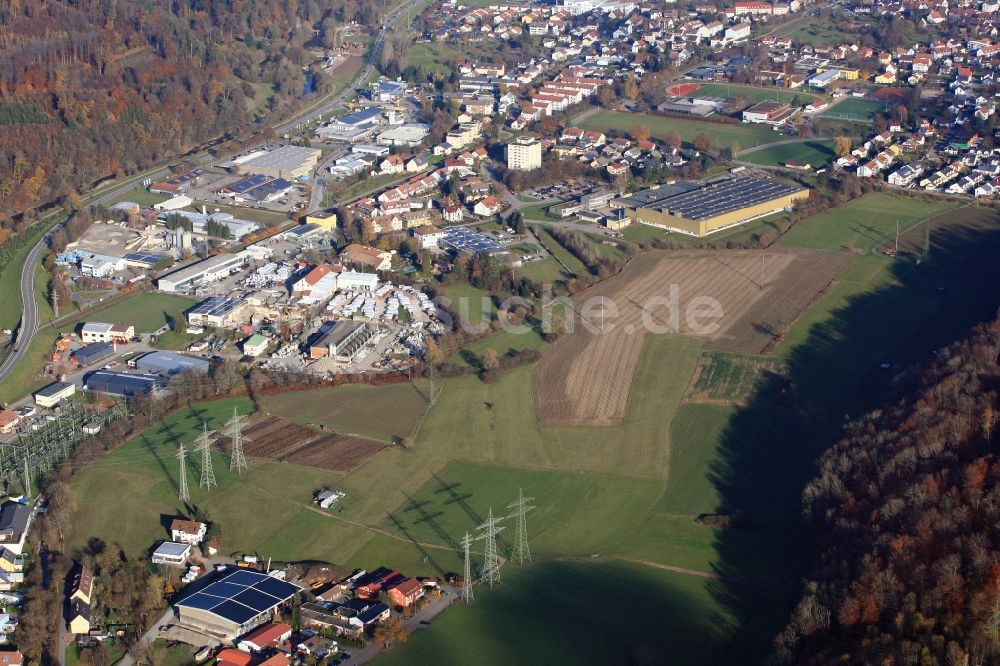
(97, 88)
(905, 512)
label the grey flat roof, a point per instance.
(52, 389)
(646, 198)
(723, 197)
(164, 362)
(286, 158)
(172, 548)
(337, 332)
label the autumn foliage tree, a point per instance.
(905, 508)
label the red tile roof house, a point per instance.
(270, 635)
(406, 593)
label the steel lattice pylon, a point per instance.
(522, 505)
(204, 444)
(234, 430)
(491, 565)
(466, 593)
(182, 491)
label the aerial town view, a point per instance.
(535, 332)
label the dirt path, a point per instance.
(647, 563)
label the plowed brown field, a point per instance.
(337, 452)
(584, 378)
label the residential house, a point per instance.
(82, 586)
(265, 637)
(79, 618)
(187, 531)
(406, 593)
(487, 206)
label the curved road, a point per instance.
(29, 307)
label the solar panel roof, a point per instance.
(461, 239)
(241, 595)
(147, 257)
(248, 183)
(216, 305)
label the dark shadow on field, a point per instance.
(426, 556)
(770, 447)
(420, 507)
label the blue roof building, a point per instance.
(235, 603)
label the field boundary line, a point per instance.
(647, 563)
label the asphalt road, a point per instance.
(29, 315)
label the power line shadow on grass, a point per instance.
(850, 363)
(454, 497)
(430, 519)
(426, 556)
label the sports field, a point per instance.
(721, 135)
(864, 223)
(815, 153)
(858, 109)
(751, 92)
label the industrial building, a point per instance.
(217, 311)
(94, 352)
(340, 340)
(769, 112)
(409, 135)
(168, 363)
(524, 154)
(94, 331)
(199, 222)
(286, 162)
(211, 269)
(236, 603)
(51, 395)
(698, 210)
(121, 384)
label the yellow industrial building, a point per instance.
(323, 221)
(701, 209)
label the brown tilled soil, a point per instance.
(337, 452)
(270, 438)
(584, 379)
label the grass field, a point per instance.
(724, 376)
(546, 271)
(721, 135)
(433, 57)
(815, 153)
(858, 109)
(502, 342)
(380, 413)
(864, 223)
(601, 612)
(147, 311)
(474, 306)
(756, 94)
(564, 256)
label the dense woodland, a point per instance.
(905, 510)
(96, 88)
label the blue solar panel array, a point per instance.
(241, 596)
(144, 257)
(248, 183)
(461, 239)
(217, 306)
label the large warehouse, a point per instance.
(285, 162)
(234, 604)
(699, 210)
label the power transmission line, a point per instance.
(466, 593)
(183, 494)
(491, 567)
(204, 443)
(234, 430)
(522, 505)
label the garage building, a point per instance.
(236, 603)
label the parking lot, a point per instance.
(563, 190)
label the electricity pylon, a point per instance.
(234, 430)
(491, 566)
(466, 593)
(522, 505)
(204, 444)
(183, 494)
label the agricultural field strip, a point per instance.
(274, 438)
(565, 388)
